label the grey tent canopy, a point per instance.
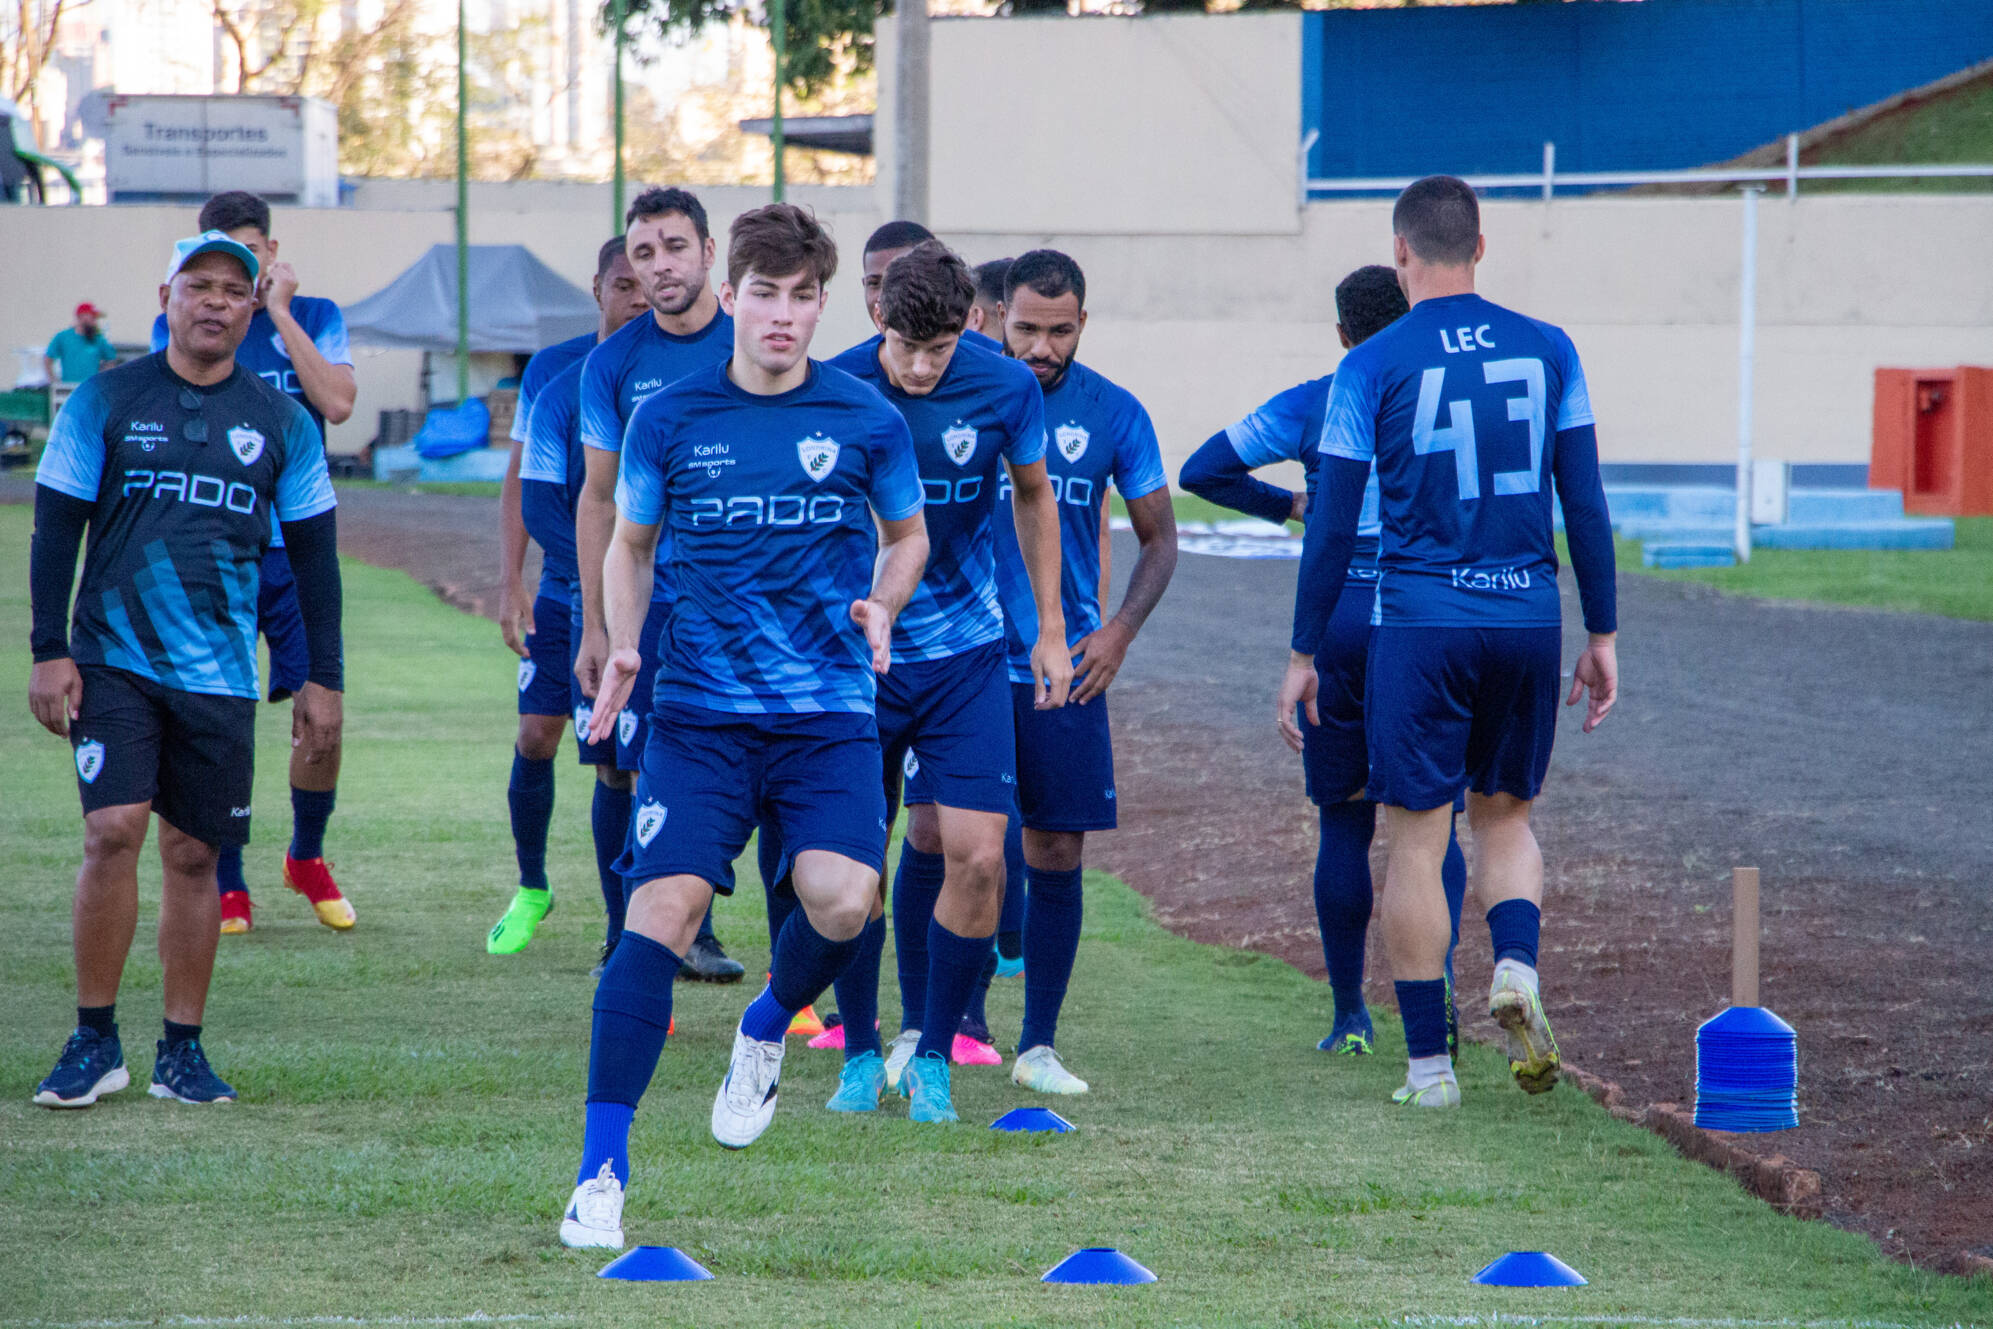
(517, 304)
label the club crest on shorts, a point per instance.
(89, 761)
(584, 715)
(1072, 441)
(818, 455)
(626, 726)
(650, 820)
(911, 766)
(246, 443)
(959, 442)
(526, 671)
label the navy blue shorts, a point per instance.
(549, 661)
(636, 718)
(1334, 757)
(282, 624)
(709, 776)
(955, 714)
(1065, 764)
(1453, 708)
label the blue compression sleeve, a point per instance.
(1587, 526)
(1216, 472)
(1326, 551)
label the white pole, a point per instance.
(1747, 335)
(1549, 169)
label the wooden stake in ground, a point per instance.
(1744, 937)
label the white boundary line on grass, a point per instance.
(194, 1321)
(1660, 1322)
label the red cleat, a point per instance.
(235, 910)
(311, 878)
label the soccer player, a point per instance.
(1097, 434)
(974, 416)
(1469, 411)
(548, 480)
(297, 344)
(986, 315)
(1288, 427)
(770, 470)
(179, 465)
(671, 251)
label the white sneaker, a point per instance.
(746, 1101)
(898, 1053)
(1515, 1005)
(594, 1215)
(1039, 1069)
(1441, 1092)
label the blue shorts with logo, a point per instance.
(1453, 708)
(636, 718)
(1065, 764)
(582, 706)
(709, 776)
(549, 661)
(1334, 758)
(955, 715)
(282, 624)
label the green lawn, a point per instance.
(411, 1109)
(1956, 127)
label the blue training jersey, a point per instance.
(189, 483)
(550, 478)
(1288, 427)
(1096, 433)
(769, 503)
(546, 365)
(1458, 406)
(986, 410)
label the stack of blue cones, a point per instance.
(1746, 1072)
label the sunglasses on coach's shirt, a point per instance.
(196, 429)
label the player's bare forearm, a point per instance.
(594, 520)
(330, 388)
(515, 609)
(1035, 508)
(904, 559)
(628, 569)
(1154, 521)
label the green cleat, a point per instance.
(1532, 1049)
(859, 1084)
(514, 932)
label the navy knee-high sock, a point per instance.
(977, 1012)
(953, 962)
(1422, 1006)
(609, 818)
(1052, 916)
(806, 962)
(1453, 876)
(1010, 924)
(1514, 928)
(916, 887)
(311, 809)
(531, 797)
(228, 869)
(858, 992)
(632, 1015)
(1343, 897)
(776, 887)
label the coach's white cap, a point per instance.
(210, 242)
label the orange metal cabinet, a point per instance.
(1934, 440)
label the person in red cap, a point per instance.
(77, 352)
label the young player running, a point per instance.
(179, 465)
(770, 470)
(974, 415)
(671, 251)
(549, 480)
(296, 344)
(1288, 427)
(1468, 411)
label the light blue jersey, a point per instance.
(550, 479)
(546, 365)
(769, 503)
(985, 411)
(1288, 427)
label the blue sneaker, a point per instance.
(926, 1083)
(859, 1084)
(90, 1066)
(182, 1072)
(1351, 1036)
(1009, 968)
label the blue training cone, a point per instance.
(1098, 1265)
(1032, 1119)
(655, 1264)
(1530, 1269)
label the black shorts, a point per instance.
(192, 756)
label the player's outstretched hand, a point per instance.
(515, 615)
(55, 694)
(618, 677)
(1101, 653)
(1297, 692)
(1051, 673)
(877, 621)
(589, 660)
(1597, 675)
(317, 715)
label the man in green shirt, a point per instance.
(76, 353)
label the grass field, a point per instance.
(411, 1109)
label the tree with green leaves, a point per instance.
(822, 34)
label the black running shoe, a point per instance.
(181, 1071)
(91, 1065)
(705, 962)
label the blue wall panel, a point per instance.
(1617, 86)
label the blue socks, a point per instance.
(1513, 928)
(915, 889)
(806, 962)
(1343, 897)
(858, 992)
(1453, 879)
(1423, 1006)
(310, 810)
(953, 964)
(609, 819)
(228, 869)
(531, 798)
(775, 885)
(632, 1013)
(1010, 924)
(1052, 916)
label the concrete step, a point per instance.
(1902, 533)
(1842, 507)
(1687, 556)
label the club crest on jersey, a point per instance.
(626, 726)
(650, 820)
(277, 341)
(1072, 441)
(526, 671)
(247, 444)
(90, 760)
(818, 455)
(959, 443)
